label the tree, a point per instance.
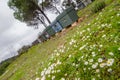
(27, 11)
(50, 5)
(68, 3)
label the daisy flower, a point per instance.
(110, 62)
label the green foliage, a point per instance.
(24, 49)
(5, 64)
(99, 5)
(27, 11)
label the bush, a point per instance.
(98, 6)
(5, 64)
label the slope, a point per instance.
(89, 51)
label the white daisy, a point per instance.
(58, 71)
(90, 60)
(102, 65)
(53, 77)
(101, 46)
(70, 56)
(93, 54)
(100, 60)
(84, 69)
(62, 79)
(110, 62)
(86, 63)
(43, 78)
(37, 79)
(98, 75)
(88, 29)
(65, 74)
(109, 70)
(93, 79)
(104, 36)
(119, 48)
(118, 14)
(94, 65)
(97, 70)
(111, 53)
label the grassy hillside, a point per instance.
(90, 51)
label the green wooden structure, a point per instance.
(50, 31)
(67, 17)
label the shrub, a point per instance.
(98, 6)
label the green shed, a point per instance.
(67, 17)
(50, 31)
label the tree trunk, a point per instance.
(41, 11)
(45, 15)
(56, 9)
(42, 22)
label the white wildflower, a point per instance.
(88, 29)
(88, 24)
(65, 74)
(62, 79)
(53, 77)
(93, 79)
(115, 41)
(104, 36)
(82, 57)
(73, 64)
(43, 78)
(36, 72)
(58, 71)
(49, 75)
(97, 70)
(53, 71)
(94, 65)
(86, 63)
(79, 59)
(58, 62)
(93, 54)
(90, 60)
(77, 65)
(72, 41)
(62, 50)
(111, 53)
(42, 73)
(98, 75)
(112, 16)
(100, 60)
(119, 48)
(57, 54)
(37, 79)
(110, 62)
(102, 65)
(101, 46)
(82, 47)
(103, 25)
(84, 69)
(118, 14)
(109, 70)
(70, 56)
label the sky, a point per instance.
(13, 33)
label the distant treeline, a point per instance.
(4, 64)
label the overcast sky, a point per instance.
(14, 34)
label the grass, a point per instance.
(90, 51)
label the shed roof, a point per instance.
(65, 12)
